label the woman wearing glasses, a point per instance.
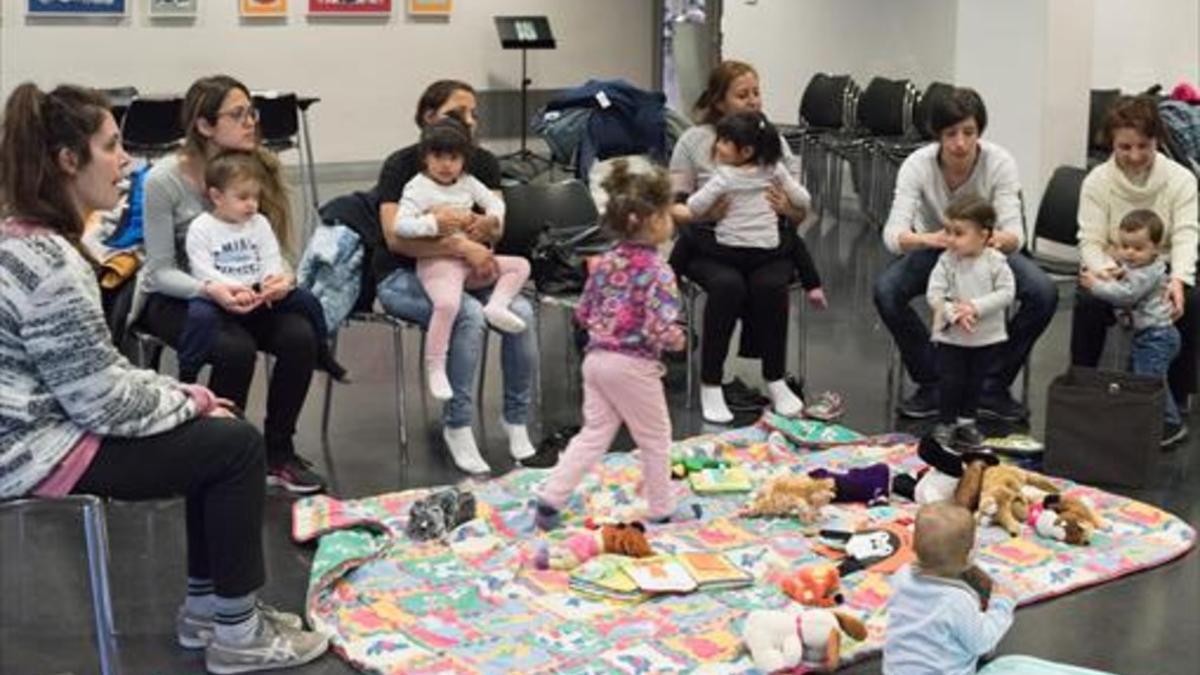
(218, 114)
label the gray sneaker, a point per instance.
(273, 646)
(195, 632)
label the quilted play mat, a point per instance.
(473, 603)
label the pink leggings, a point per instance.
(445, 278)
(619, 388)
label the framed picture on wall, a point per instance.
(349, 7)
(429, 7)
(77, 7)
(262, 8)
(173, 8)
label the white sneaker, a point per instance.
(439, 382)
(461, 442)
(783, 400)
(503, 319)
(712, 405)
(274, 645)
(519, 444)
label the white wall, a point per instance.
(1138, 43)
(368, 74)
(788, 41)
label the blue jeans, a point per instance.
(908, 276)
(402, 296)
(1153, 350)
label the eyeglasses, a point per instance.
(240, 115)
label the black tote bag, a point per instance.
(1104, 426)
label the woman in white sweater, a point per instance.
(75, 416)
(1137, 176)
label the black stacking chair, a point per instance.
(1058, 222)
(151, 127)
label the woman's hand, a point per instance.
(233, 298)
(451, 219)
(780, 203)
(275, 287)
(483, 229)
(479, 258)
(816, 298)
(1174, 295)
(224, 408)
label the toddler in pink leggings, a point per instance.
(628, 308)
(440, 202)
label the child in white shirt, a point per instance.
(442, 183)
(233, 244)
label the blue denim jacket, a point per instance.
(331, 270)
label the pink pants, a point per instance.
(444, 280)
(619, 388)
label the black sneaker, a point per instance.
(1173, 433)
(967, 435)
(295, 475)
(741, 398)
(923, 403)
(1000, 405)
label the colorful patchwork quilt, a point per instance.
(473, 603)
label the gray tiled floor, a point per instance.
(1147, 623)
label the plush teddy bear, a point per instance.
(792, 495)
(814, 586)
(1001, 500)
(628, 539)
(1064, 518)
(778, 639)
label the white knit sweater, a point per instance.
(60, 376)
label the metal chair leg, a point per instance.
(401, 421)
(96, 534)
(328, 404)
(689, 300)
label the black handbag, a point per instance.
(558, 260)
(1104, 426)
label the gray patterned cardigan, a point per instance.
(60, 376)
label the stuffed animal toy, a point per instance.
(1066, 519)
(1001, 500)
(628, 539)
(951, 475)
(697, 460)
(792, 495)
(812, 638)
(867, 484)
(884, 549)
(435, 515)
(814, 586)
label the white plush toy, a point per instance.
(779, 640)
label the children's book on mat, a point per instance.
(660, 574)
(713, 571)
(604, 576)
(726, 479)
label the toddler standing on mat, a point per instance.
(969, 288)
(628, 307)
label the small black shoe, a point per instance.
(741, 398)
(336, 370)
(1000, 405)
(1172, 434)
(922, 404)
(968, 436)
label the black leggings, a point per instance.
(217, 465)
(290, 337)
(741, 281)
(961, 372)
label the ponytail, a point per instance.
(37, 127)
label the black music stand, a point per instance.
(525, 33)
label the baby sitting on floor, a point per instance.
(936, 621)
